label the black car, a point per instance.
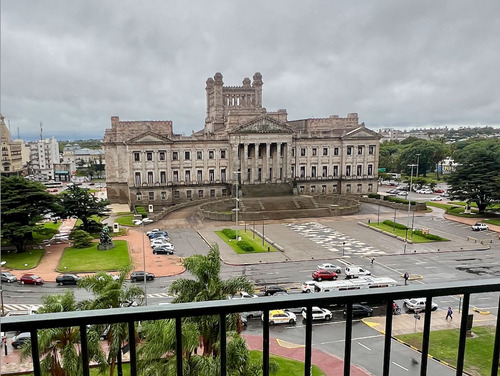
(158, 234)
(164, 250)
(20, 339)
(273, 289)
(139, 276)
(360, 310)
(67, 279)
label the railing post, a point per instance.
(131, 345)
(348, 339)
(265, 344)
(84, 349)
(308, 352)
(388, 338)
(463, 334)
(34, 353)
(426, 336)
(223, 349)
(496, 347)
(178, 341)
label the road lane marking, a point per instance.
(366, 347)
(354, 339)
(400, 366)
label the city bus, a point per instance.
(366, 282)
(52, 184)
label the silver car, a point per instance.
(8, 277)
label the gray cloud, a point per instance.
(74, 64)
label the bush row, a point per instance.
(429, 236)
(399, 226)
(142, 211)
(231, 234)
(244, 246)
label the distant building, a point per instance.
(12, 153)
(241, 142)
(43, 155)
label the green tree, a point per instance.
(81, 239)
(24, 203)
(79, 202)
(111, 292)
(477, 177)
(59, 348)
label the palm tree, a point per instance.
(59, 348)
(111, 292)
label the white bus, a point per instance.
(52, 184)
(366, 282)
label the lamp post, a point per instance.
(409, 205)
(343, 245)
(418, 163)
(237, 200)
(1, 288)
(141, 222)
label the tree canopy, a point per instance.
(24, 204)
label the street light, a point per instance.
(141, 222)
(343, 245)
(409, 204)
(237, 200)
(1, 287)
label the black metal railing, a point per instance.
(82, 319)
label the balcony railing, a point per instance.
(81, 319)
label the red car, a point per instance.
(31, 279)
(322, 274)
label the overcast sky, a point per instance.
(74, 64)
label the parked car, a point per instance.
(139, 276)
(156, 233)
(438, 190)
(359, 310)
(355, 271)
(445, 194)
(326, 266)
(279, 316)
(479, 226)
(31, 279)
(273, 289)
(167, 249)
(20, 339)
(417, 304)
(8, 277)
(244, 295)
(308, 286)
(318, 313)
(67, 279)
(322, 274)
(403, 193)
(159, 243)
(393, 191)
(437, 198)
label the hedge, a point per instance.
(399, 200)
(244, 246)
(231, 234)
(399, 226)
(142, 211)
(429, 236)
(374, 195)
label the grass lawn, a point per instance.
(248, 237)
(125, 220)
(287, 366)
(24, 260)
(402, 233)
(91, 259)
(444, 346)
(97, 218)
(493, 221)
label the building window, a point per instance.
(149, 156)
(314, 152)
(163, 195)
(301, 189)
(313, 171)
(200, 193)
(176, 194)
(163, 177)
(175, 155)
(224, 192)
(347, 170)
(302, 152)
(335, 151)
(323, 189)
(259, 174)
(292, 171)
(175, 176)
(358, 188)
(187, 176)
(189, 193)
(212, 193)
(223, 174)
(137, 178)
(259, 151)
(334, 188)
(360, 150)
(161, 155)
(137, 156)
(349, 150)
(223, 154)
(187, 155)
(359, 170)
(325, 151)
(370, 187)
(302, 171)
(313, 188)
(139, 196)
(199, 176)
(281, 173)
(371, 149)
(151, 196)
(211, 175)
(199, 155)
(335, 171)
(348, 188)
(370, 169)
(210, 154)
(150, 177)
(325, 171)
(293, 152)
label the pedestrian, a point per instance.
(4, 340)
(406, 277)
(373, 260)
(449, 314)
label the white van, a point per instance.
(356, 271)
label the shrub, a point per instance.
(142, 211)
(429, 236)
(374, 195)
(399, 226)
(244, 246)
(81, 239)
(231, 234)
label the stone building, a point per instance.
(12, 153)
(147, 163)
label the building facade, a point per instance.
(12, 152)
(43, 155)
(241, 142)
